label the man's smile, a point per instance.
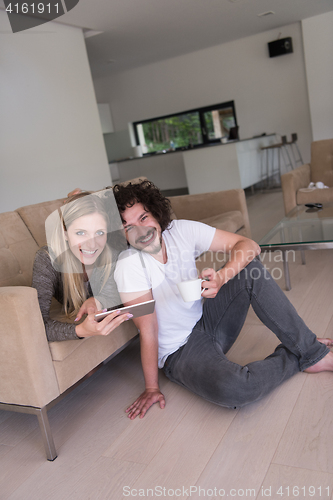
(143, 231)
(148, 238)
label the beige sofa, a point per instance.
(320, 169)
(224, 210)
(35, 373)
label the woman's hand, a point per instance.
(144, 402)
(89, 306)
(90, 327)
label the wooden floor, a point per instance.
(275, 448)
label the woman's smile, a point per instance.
(87, 236)
(88, 252)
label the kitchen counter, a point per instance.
(211, 167)
(183, 150)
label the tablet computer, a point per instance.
(137, 310)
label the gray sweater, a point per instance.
(48, 283)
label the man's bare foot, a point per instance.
(324, 365)
(328, 342)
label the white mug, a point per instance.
(190, 290)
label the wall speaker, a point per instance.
(280, 47)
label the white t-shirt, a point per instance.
(138, 271)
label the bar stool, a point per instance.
(270, 169)
(293, 144)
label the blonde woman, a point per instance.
(76, 268)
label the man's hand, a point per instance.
(241, 252)
(74, 192)
(213, 284)
(148, 327)
(144, 402)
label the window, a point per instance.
(188, 129)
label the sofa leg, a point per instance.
(43, 420)
(44, 425)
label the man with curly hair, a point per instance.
(189, 340)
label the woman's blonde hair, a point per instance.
(63, 260)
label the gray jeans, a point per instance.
(201, 364)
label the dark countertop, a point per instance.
(183, 150)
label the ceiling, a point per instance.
(139, 32)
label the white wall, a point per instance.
(50, 133)
(270, 93)
(318, 44)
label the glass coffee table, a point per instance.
(302, 229)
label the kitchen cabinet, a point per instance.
(228, 166)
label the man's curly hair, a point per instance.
(149, 195)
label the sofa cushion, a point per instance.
(230, 221)
(34, 217)
(17, 251)
(322, 161)
(60, 350)
(314, 196)
(328, 178)
(73, 359)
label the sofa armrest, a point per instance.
(204, 205)
(291, 183)
(26, 369)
